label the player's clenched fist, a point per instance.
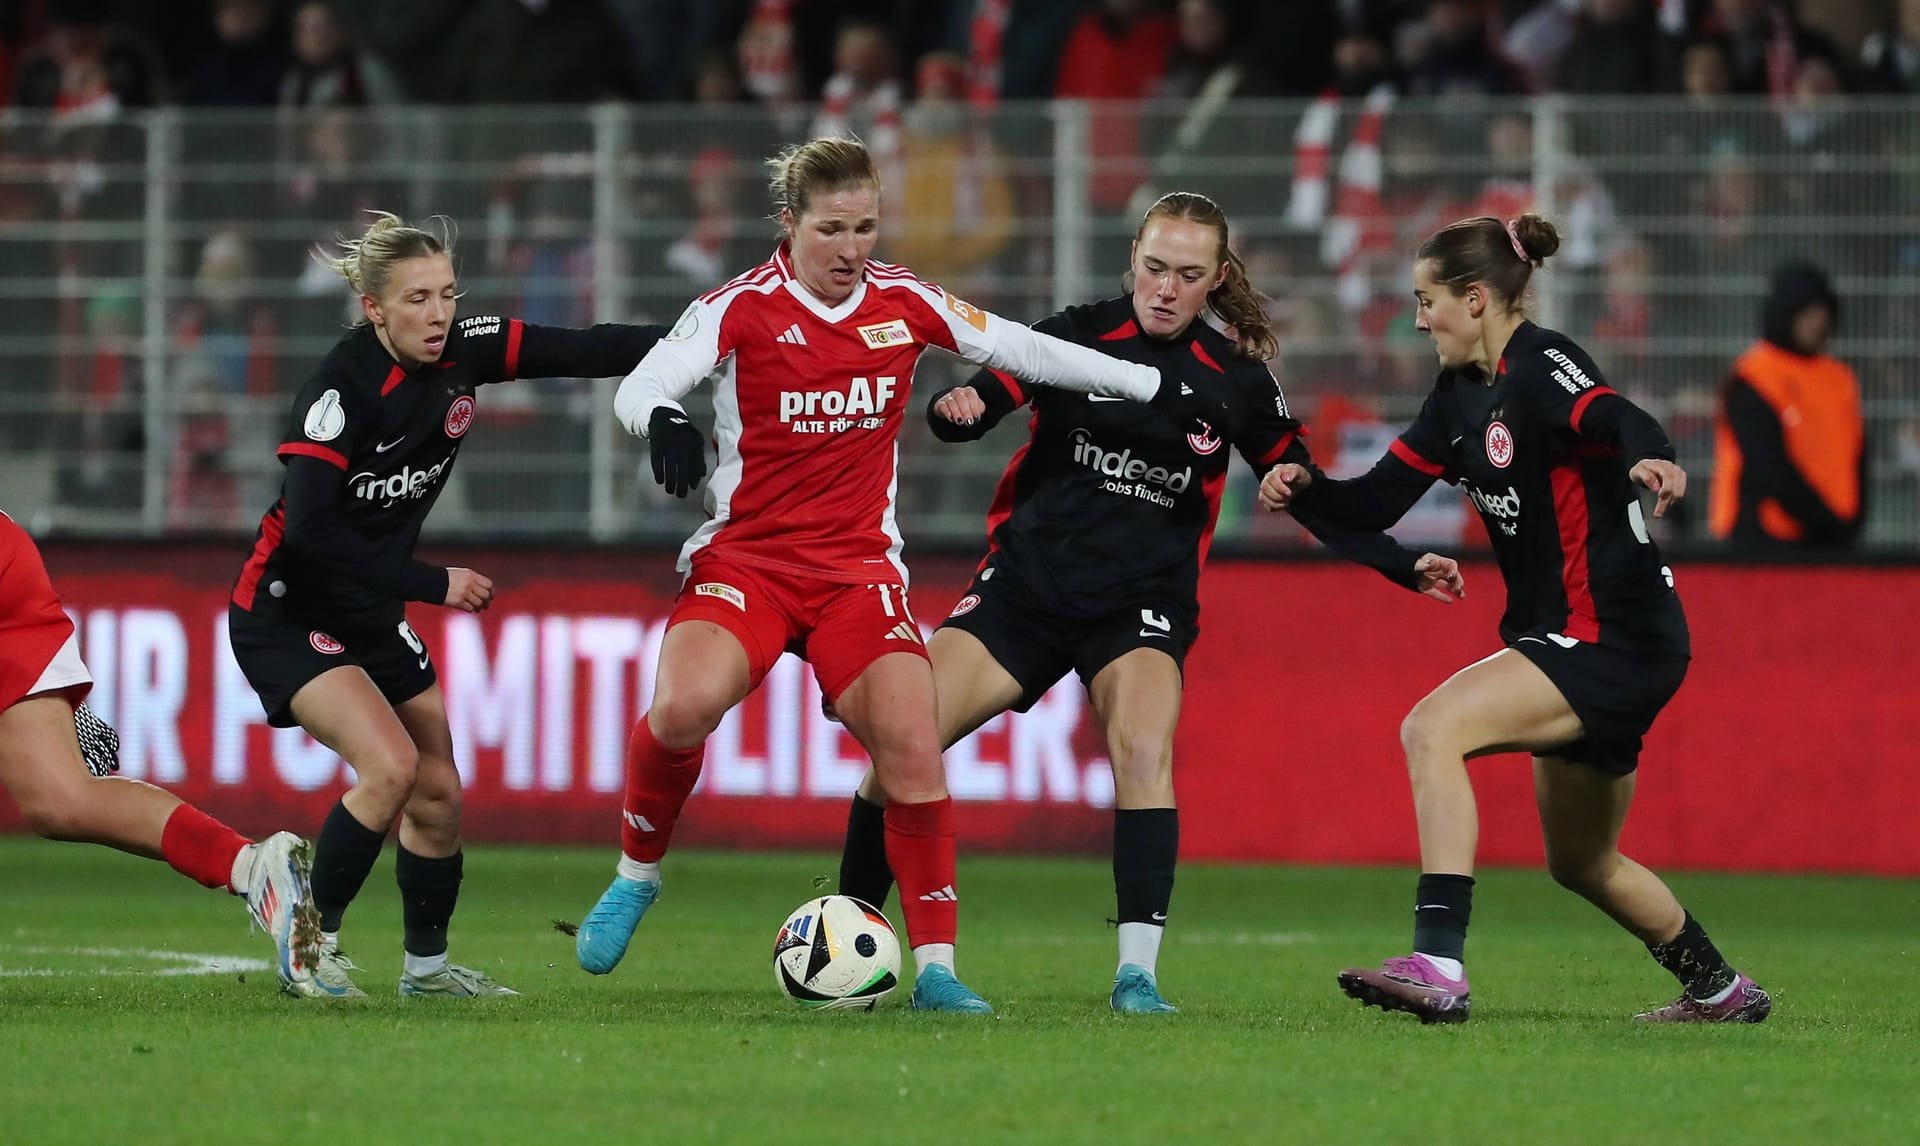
(961, 405)
(468, 591)
(1282, 484)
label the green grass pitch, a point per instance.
(689, 1041)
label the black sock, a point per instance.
(1694, 960)
(1442, 904)
(428, 890)
(864, 873)
(342, 857)
(1146, 845)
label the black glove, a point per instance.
(1190, 410)
(679, 453)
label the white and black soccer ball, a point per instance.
(836, 952)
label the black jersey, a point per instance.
(1108, 504)
(1543, 452)
(368, 449)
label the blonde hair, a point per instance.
(367, 262)
(819, 167)
(1235, 300)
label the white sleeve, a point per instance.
(674, 366)
(986, 339)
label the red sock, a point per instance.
(200, 847)
(658, 781)
(920, 851)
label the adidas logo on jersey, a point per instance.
(904, 631)
(638, 821)
(792, 336)
(944, 895)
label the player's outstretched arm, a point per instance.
(609, 350)
(671, 369)
(1292, 472)
(1032, 355)
(1370, 503)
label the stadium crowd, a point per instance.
(65, 54)
(1672, 218)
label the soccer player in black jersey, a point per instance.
(1596, 640)
(1097, 535)
(318, 615)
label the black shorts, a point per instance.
(1037, 645)
(280, 654)
(1616, 695)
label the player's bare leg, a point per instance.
(970, 688)
(889, 709)
(1501, 704)
(703, 672)
(42, 768)
(344, 710)
(1581, 813)
(1137, 701)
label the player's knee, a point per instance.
(906, 760)
(1423, 733)
(1139, 761)
(905, 735)
(686, 716)
(1583, 873)
(390, 773)
(435, 801)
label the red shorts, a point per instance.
(836, 627)
(34, 630)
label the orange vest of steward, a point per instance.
(1818, 403)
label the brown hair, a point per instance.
(1235, 300)
(367, 261)
(819, 167)
(1485, 250)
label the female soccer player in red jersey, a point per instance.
(1596, 639)
(50, 742)
(318, 616)
(815, 350)
(1115, 596)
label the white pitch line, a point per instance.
(185, 962)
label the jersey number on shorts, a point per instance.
(414, 642)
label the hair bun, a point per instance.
(1539, 238)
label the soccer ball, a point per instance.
(834, 952)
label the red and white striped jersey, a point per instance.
(808, 403)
